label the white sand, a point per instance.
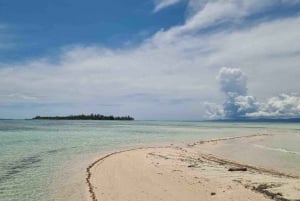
(183, 174)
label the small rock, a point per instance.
(237, 169)
(212, 193)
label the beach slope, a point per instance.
(182, 173)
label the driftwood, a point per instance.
(237, 169)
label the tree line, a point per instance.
(84, 117)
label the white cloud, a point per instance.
(174, 70)
(233, 81)
(233, 84)
(161, 4)
(281, 106)
(207, 13)
(214, 111)
(240, 105)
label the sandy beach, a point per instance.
(186, 172)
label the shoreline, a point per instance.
(89, 172)
(210, 159)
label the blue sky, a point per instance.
(152, 59)
(37, 28)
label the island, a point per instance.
(85, 117)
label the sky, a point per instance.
(151, 59)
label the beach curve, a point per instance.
(177, 168)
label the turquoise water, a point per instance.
(32, 151)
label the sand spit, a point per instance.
(229, 138)
(184, 173)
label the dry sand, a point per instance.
(183, 174)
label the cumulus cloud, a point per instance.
(281, 106)
(174, 69)
(214, 111)
(233, 81)
(238, 104)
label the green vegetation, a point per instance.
(85, 117)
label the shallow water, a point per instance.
(32, 152)
(280, 152)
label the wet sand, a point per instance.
(184, 173)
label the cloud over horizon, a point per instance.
(233, 84)
(171, 74)
(238, 104)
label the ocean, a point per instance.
(38, 157)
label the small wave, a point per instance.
(53, 151)
(20, 165)
(277, 149)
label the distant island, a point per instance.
(85, 117)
